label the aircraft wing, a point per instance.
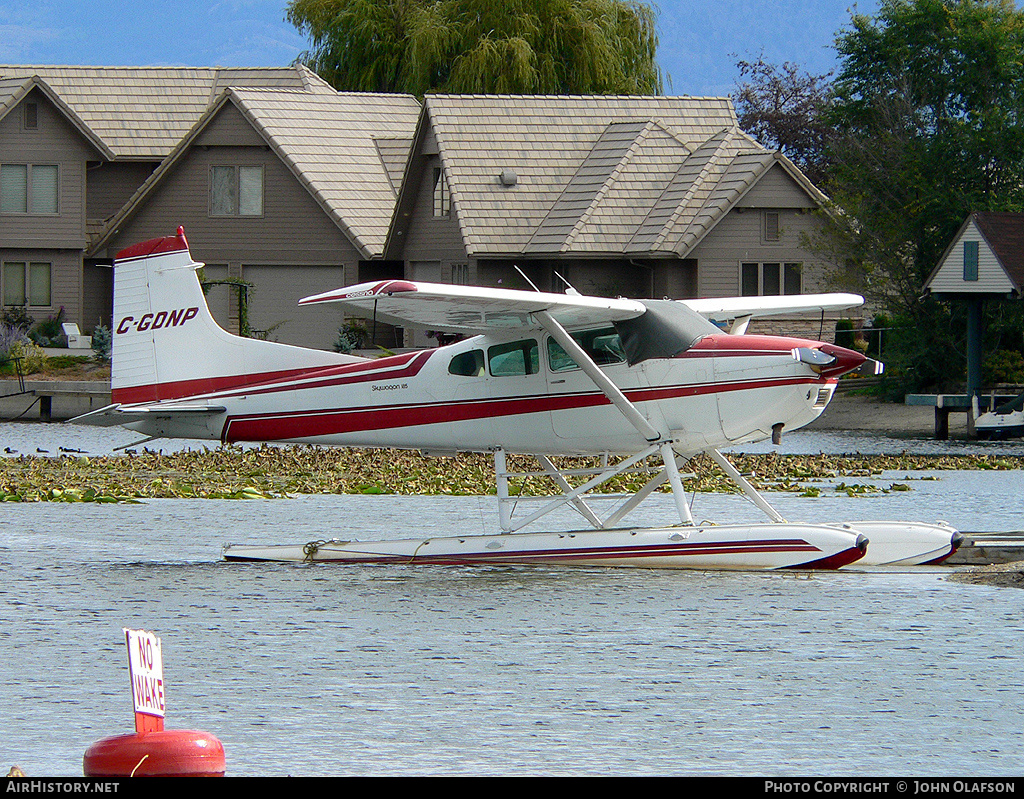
(472, 309)
(723, 308)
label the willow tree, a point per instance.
(481, 46)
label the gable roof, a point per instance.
(141, 113)
(14, 90)
(594, 175)
(340, 147)
(1000, 269)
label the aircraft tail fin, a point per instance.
(167, 344)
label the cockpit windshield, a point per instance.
(667, 329)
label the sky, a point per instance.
(700, 40)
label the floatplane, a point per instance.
(644, 385)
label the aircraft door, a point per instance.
(517, 395)
(580, 411)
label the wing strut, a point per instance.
(601, 380)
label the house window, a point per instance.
(460, 274)
(770, 279)
(772, 230)
(442, 198)
(970, 260)
(28, 188)
(27, 283)
(236, 191)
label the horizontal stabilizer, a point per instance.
(118, 414)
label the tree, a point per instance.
(481, 46)
(926, 125)
(782, 108)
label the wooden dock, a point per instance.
(75, 397)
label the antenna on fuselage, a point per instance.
(523, 275)
(569, 288)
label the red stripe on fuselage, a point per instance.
(284, 380)
(310, 424)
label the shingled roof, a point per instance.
(1004, 233)
(999, 263)
(347, 150)
(141, 113)
(594, 175)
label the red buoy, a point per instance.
(165, 753)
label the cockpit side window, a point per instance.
(604, 346)
(467, 364)
(514, 358)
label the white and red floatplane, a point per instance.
(543, 374)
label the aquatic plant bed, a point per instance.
(273, 471)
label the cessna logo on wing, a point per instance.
(156, 321)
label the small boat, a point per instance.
(1005, 421)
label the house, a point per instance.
(639, 196)
(290, 192)
(76, 144)
(289, 187)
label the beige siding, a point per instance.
(54, 141)
(992, 279)
(273, 303)
(431, 237)
(293, 228)
(65, 280)
(739, 238)
(776, 189)
(293, 250)
(111, 184)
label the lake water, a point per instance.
(327, 670)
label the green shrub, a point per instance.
(845, 333)
(49, 332)
(1003, 366)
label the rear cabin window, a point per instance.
(467, 364)
(514, 358)
(604, 346)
